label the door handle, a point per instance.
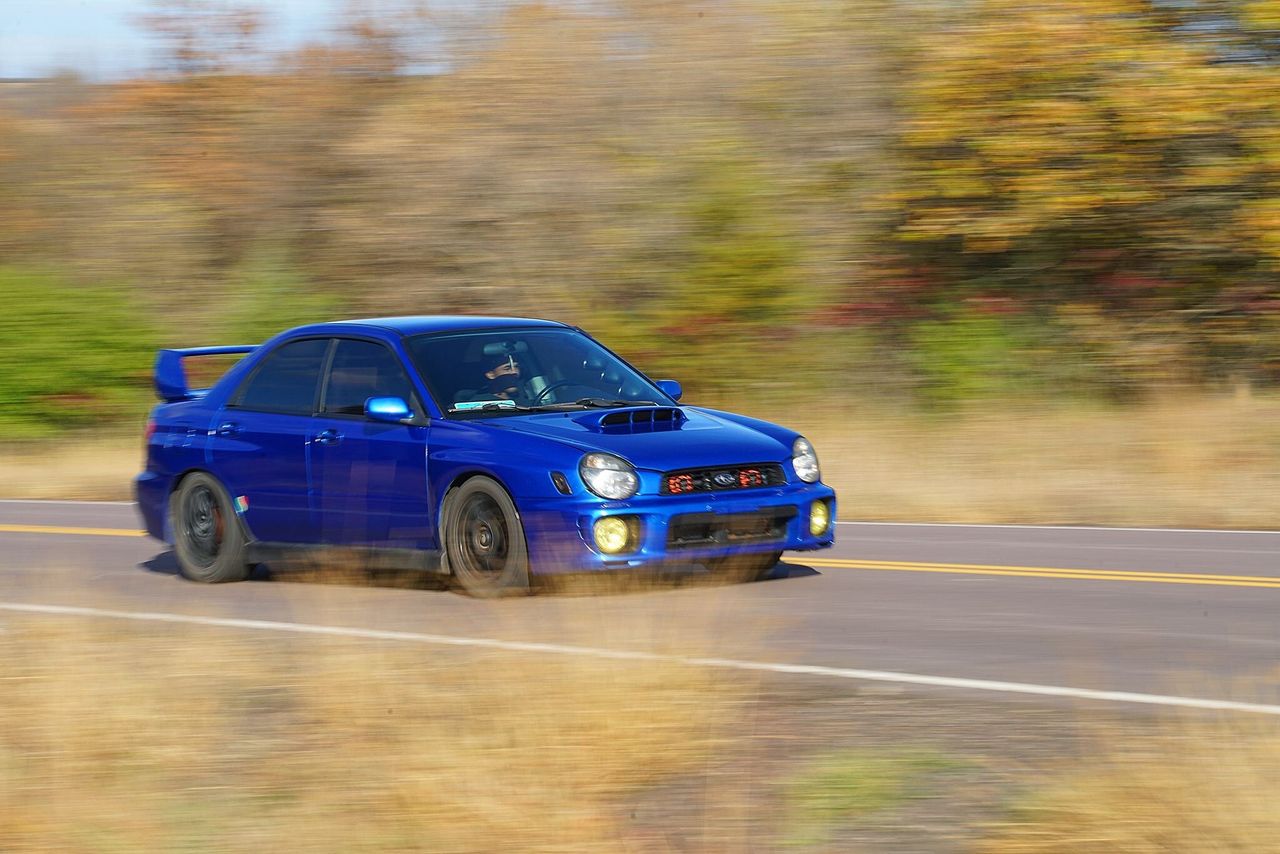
(328, 437)
(229, 429)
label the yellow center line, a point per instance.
(911, 564)
(1149, 577)
(1051, 572)
(58, 529)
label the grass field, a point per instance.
(120, 737)
(75, 467)
(236, 742)
(1192, 461)
(1189, 786)
(1181, 462)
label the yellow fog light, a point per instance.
(819, 518)
(613, 534)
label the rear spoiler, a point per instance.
(171, 377)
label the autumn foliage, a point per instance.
(927, 200)
(1107, 163)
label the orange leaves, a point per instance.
(1063, 112)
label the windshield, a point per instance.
(504, 371)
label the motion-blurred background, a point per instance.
(956, 226)
(1001, 260)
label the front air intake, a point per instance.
(648, 419)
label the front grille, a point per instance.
(722, 478)
(691, 530)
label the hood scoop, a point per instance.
(647, 419)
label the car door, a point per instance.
(369, 477)
(261, 442)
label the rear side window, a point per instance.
(361, 370)
(286, 380)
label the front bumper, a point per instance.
(675, 529)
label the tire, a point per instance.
(208, 539)
(737, 569)
(484, 545)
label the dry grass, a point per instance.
(1192, 461)
(1186, 788)
(135, 737)
(1195, 462)
(97, 469)
(126, 738)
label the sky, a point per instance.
(101, 39)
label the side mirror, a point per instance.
(392, 410)
(671, 388)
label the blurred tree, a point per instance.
(759, 167)
(1246, 31)
(556, 166)
(1088, 151)
(201, 37)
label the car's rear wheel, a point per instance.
(208, 539)
(745, 567)
(484, 540)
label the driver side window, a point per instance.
(361, 370)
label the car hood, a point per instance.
(692, 439)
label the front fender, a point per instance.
(521, 463)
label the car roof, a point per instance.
(419, 324)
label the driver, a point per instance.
(505, 382)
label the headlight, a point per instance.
(609, 476)
(805, 461)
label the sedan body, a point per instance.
(488, 449)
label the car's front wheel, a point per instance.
(746, 567)
(208, 540)
(484, 540)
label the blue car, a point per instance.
(489, 450)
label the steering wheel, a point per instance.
(546, 391)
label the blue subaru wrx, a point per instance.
(488, 450)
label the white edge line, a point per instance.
(838, 522)
(626, 655)
(64, 501)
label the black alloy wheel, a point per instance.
(209, 541)
(484, 542)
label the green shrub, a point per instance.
(69, 355)
(966, 356)
(703, 307)
(970, 356)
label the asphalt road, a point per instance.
(1169, 612)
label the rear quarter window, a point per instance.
(286, 381)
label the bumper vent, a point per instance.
(722, 478)
(694, 530)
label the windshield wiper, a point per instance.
(584, 402)
(606, 403)
(496, 406)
